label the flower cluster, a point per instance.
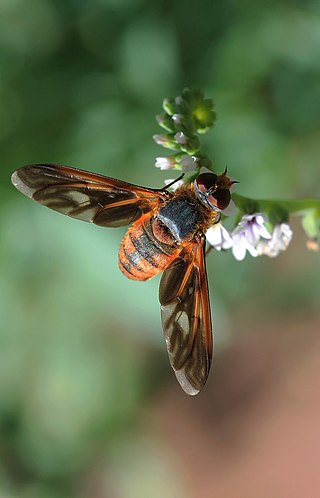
(260, 227)
(183, 119)
(251, 235)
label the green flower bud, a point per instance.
(166, 122)
(311, 223)
(201, 109)
(204, 116)
(182, 106)
(167, 141)
(190, 145)
(169, 106)
(183, 123)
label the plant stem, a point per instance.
(291, 206)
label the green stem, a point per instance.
(291, 206)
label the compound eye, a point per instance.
(205, 181)
(206, 188)
(222, 198)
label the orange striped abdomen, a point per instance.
(141, 254)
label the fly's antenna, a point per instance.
(173, 182)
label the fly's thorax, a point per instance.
(181, 217)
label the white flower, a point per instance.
(188, 163)
(165, 162)
(176, 185)
(219, 237)
(281, 237)
(247, 234)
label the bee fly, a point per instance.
(167, 234)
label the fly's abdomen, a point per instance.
(142, 255)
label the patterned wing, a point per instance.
(86, 196)
(186, 318)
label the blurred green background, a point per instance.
(89, 406)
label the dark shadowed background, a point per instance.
(89, 406)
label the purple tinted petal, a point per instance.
(263, 232)
(251, 235)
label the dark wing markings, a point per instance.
(86, 196)
(186, 318)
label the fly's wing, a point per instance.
(86, 196)
(186, 318)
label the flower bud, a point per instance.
(190, 145)
(188, 163)
(169, 106)
(183, 123)
(167, 141)
(182, 106)
(311, 223)
(166, 122)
